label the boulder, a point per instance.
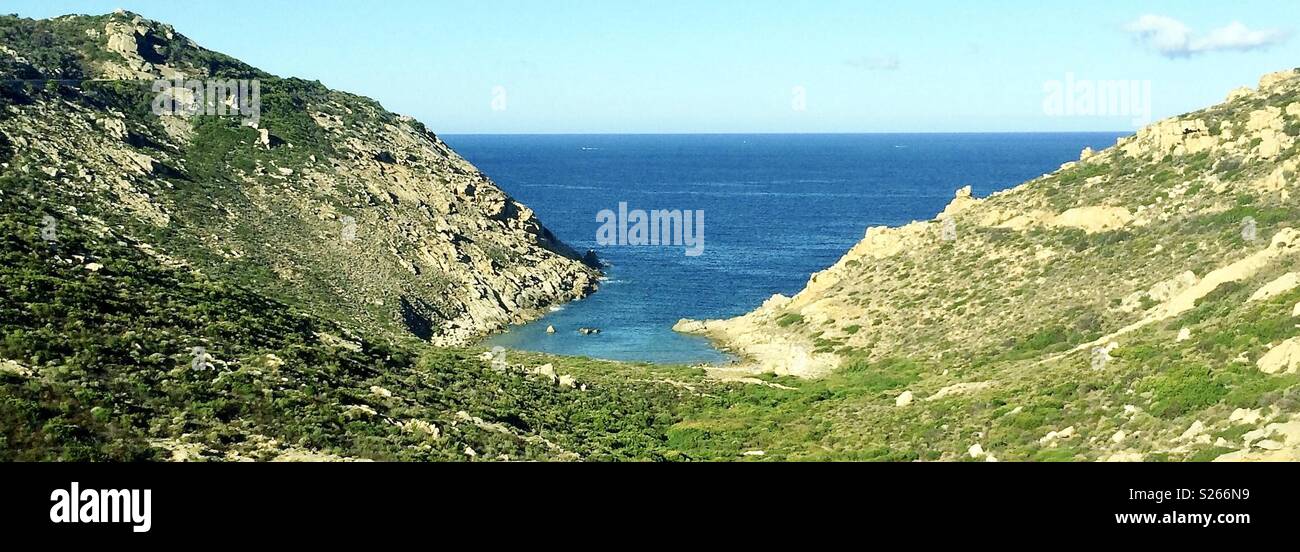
(546, 371)
(1053, 436)
(1285, 283)
(1194, 431)
(1093, 219)
(904, 399)
(1245, 416)
(963, 200)
(1284, 358)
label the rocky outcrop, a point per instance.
(964, 199)
(759, 340)
(1276, 442)
(1282, 284)
(1093, 219)
(1281, 359)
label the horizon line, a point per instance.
(865, 133)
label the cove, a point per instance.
(778, 208)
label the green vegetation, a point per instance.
(1182, 389)
(789, 319)
(799, 424)
(112, 351)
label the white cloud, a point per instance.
(1238, 37)
(1174, 39)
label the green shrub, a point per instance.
(885, 375)
(789, 319)
(1181, 390)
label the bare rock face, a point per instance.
(1279, 79)
(1172, 136)
(1282, 359)
(1093, 218)
(138, 44)
(328, 199)
(963, 200)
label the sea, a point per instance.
(776, 208)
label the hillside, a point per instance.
(303, 286)
(184, 289)
(1140, 303)
(326, 199)
(106, 354)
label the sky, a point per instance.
(749, 66)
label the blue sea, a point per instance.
(777, 208)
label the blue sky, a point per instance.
(614, 66)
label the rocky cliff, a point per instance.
(1147, 289)
(326, 199)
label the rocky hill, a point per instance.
(283, 288)
(326, 200)
(1142, 302)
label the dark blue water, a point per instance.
(776, 209)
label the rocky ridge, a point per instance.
(329, 199)
(1080, 276)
